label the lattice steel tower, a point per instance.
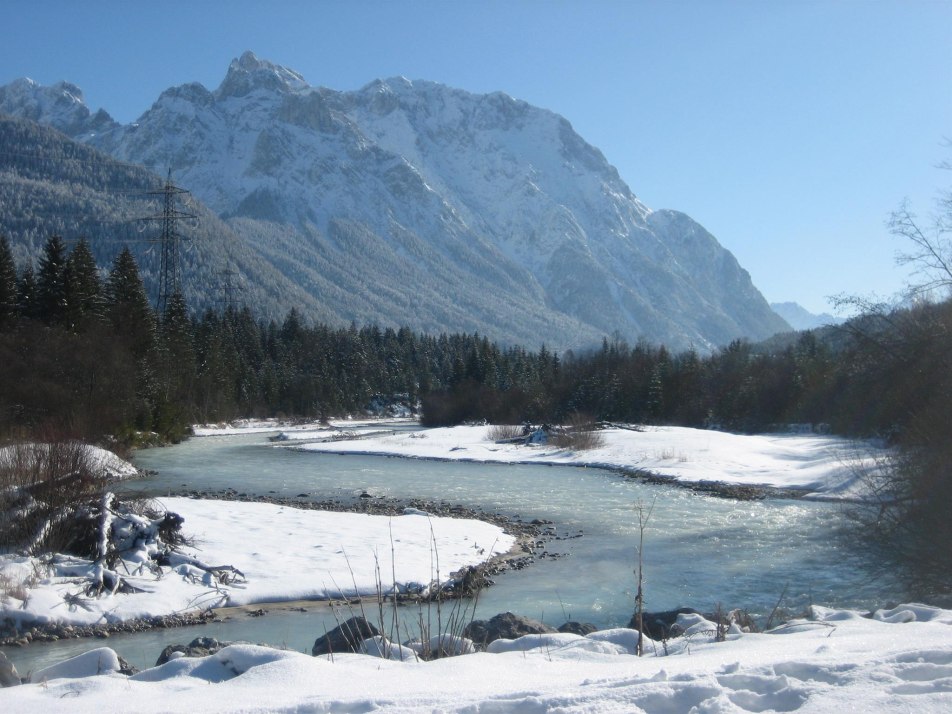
(170, 270)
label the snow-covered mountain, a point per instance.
(61, 105)
(414, 203)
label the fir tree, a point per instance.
(84, 298)
(51, 283)
(8, 286)
(26, 295)
(128, 306)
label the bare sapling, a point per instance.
(644, 515)
(445, 639)
(776, 608)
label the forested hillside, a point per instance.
(51, 185)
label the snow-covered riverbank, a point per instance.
(823, 467)
(283, 553)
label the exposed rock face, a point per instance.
(504, 626)
(61, 105)
(346, 637)
(412, 203)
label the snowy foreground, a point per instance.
(824, 467)
(899, 660)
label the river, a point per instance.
(699, 551)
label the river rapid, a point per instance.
(699, 551)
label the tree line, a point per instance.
(83, 353)
(82, 350)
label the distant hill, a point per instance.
(412, 203)
(800, 318)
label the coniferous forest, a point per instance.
(83, 352)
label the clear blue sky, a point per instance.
(789, 130)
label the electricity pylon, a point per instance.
(170, 270)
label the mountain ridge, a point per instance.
(483, 204)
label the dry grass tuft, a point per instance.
(580, 434)
(504, 432)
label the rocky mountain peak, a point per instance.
(248, 73)
(61, 105)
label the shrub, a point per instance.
(46, 487)
(580, 434)
(504, 432)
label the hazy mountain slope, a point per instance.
(802, 319)
(52, 185)
(414, 203)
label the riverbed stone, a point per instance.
(578, 628)
(126, 668)
(346, 637)
(8, 672)
(199, 647)
(658, 625)
(505, 625)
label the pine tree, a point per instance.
(128, 306)
(51, 283)
(26, 295)
(84, 298)
(177, 336)
(8, 286)
(176, 371)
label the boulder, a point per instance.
(468, 582)
(578, 628)
(658, 624)
(126, 668)
(199, 647)
(504, 626)
(8, 673)
(346, 637)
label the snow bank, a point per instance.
(819, 466)
(110, 464)
(102, 660)
(284, 554)
(844, 662)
